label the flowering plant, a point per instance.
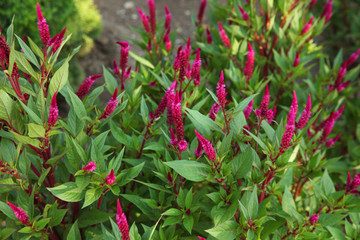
(218, 142)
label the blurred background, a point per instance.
(98, 24)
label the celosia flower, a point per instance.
(261, 112)
(305, 116)
(168, 18)
(352, 185)
(182, 145)
(43, 27)
(53, 111)
(56, 41)
(244, 15)
(110, 106)
(270, 115)
(249, 65)
(221, 92)
(122, 222)
(110, 179)
(20, 214)
(115, 68)
(124, 54)
(176, 65)
(169, 177)
(127, 73)
(167, 41)
(352, 59)
(296, 60)
(208, 36)
(338, 113)
(206, 145)
(198, 150)
(200, 238)
(213, 111)
(169, 105)
(179, 125)
(144, 20)
(290, 125)
(4, 50)
(201, 11)
(223, 36)
(188, 49)
(195, 71)
(248, 109)
(327, 128)
(183, 65)
(90, 167)
(307, 26)
(327, 11)
(313, 219)
(312, 3)
(152, 12)
(149, 46)
(337, 85)
(332, 141)
(85, 86)
(163, 103)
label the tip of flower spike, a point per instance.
(123, 44)
(39, 13)
(249, 47)
(119, 209)
(53, 100)
(166, 9)
(115, 93)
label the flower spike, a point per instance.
(43, 27)
(223, 36)
(85, 86)
(201, 11)
(213, 111)
(296, 60)
(20, 214)
(110, 179)
(221, 91)
(168, 18)
(195, 71)
(264, 105)
(208, 36)
(53, 111)
(111, 106)
(122, 222)
(249, 65)
(351, 186)
(206, 145)
(145, 20)
(313, 219)
(248, 109)
(327, 12)
(124, 54)
(305, 116)
(90, 167)
(152, 11)
(290, 126)
(332, 141)
(244, 14)
(179, 125)
(307, 26)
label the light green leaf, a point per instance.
(191, 170)
(67, 192)
(36, 131)
(59, 79)
(141, 60)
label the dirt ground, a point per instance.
(119, 15)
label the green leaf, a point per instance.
(188, 199)
(244, 103)
(6, 233)
(67, 192)
(120, 136)
(91, 196)
(129, 174)
(43, 176)
(35, 49)
(253, 204)
(226, 230)
(6, 106)
(26, 140)
(172, 212)
(188, 223)
(115, 163)
(24, 65)
(36, 131)
(59, 79)
(327, 184)
(42, 223)
(26, 230)
(202, 123)
(243, 162)
(280, 61)
(92, 217)
(141, 60)
(244, 211)
(110, 81)
(336, 233)
(74, 232)
(6, 209)
(56, 215)
(28, 53)
(327, 219)
(78, 106)
(191, 170)
(31, 113)
(115, 229)
(288, 205)
(171, 221)
(144, 110)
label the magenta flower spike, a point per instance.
(169, 107)
(144, 20)
(312, 3)
(85, 86)
(313, 219)
(188, 49)
(208, 36)
(327, 12)
(20, 214)
(307, 26)
(176, 65)
(110, 179)
(305, 116)
(201, 11)
(173, 139)
(221, 92)
(296, 60)
(110, 106)
(351, 59)
(179, 125)
(223, 36)
(244, 14)
(167, 41)
(290, 125)
(338, 113)
(198, 151)
(122, 222)
(332, 141)
(249, 65)
(206, 145)
(213, 111)
(127, 74)
(200, 238)
(124, 54)
(264, 105)
(152, 11)
(43, 27)
(115, 68)
(164, 101)
(168, 18)
(90, 167)
(53, 111)
(248, 109)
(327, 128)
(352, 185)
(195, 71)
(56, 41)
(270, 114)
